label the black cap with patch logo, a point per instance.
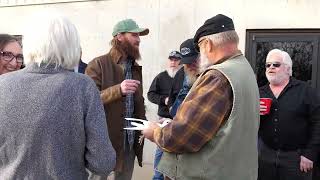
(176, 55)
(188, 52)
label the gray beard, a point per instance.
(204, 63)
(172, 71)
(190, 79)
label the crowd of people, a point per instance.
(58, 123)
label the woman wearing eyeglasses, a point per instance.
(11, 57)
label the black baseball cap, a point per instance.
(188, 52)
(175, 55)
(216, 24)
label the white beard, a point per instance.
(278, 78)
(172, 71)
(204, 62)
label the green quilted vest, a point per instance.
(232, 152)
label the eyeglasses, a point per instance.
(197, 46)
(276, 65)
(8, 56)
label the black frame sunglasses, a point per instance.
(197, 47)
(276, 65)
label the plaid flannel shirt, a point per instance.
(199, 117)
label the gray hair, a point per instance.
(222, 38)
(286, 59)
(52, 40)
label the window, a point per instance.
(302, 46)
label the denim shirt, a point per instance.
(180, 97)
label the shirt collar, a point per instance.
(292, 82)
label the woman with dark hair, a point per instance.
(11, 57)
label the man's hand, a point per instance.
(161, 120)
(263, 108)
(129, 86)
(166, 100)
(305, 164)
(148, 132)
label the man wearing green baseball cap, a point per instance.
(118, 77)
(129, 25)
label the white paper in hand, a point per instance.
(144, 125)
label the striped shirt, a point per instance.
(205, 109)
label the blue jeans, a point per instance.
(157, 175)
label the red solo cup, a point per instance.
(267, 102)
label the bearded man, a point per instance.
(118, 77)
(220, 112)
(190, 71)
(160, 87)
(290, 133)
(159, 94)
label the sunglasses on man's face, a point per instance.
(276, 65)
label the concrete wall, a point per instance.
(170, 22)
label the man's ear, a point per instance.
(288, 70)
(209, 46)
(209, 49)
(120, 37)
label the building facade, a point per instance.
(292, 25)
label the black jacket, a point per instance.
(158, 92)
(82, 67)
(177, 84)
(294, 119)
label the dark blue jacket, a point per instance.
(82, 67)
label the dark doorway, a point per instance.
(302, 46)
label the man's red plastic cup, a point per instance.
(266, 102)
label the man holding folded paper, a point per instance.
(214, 133)
(290, 123)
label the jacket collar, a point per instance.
(118, 58)
(292, 82)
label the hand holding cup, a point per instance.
(265, 105)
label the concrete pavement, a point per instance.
(143, 173)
